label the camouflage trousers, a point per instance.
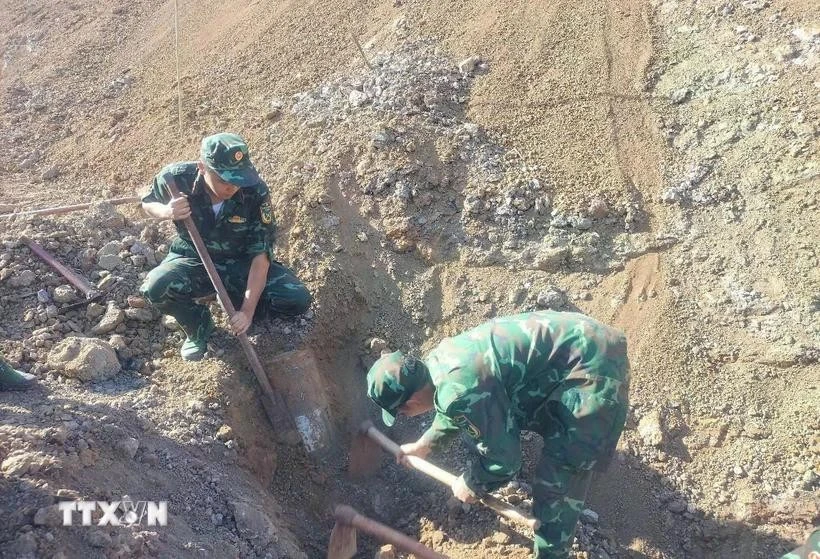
(178, 280)
(559, 493)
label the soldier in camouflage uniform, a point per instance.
(12, 379)
(562, 375)
(230, 205)
(809, 550)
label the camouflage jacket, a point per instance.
(563, 375)
(243, 228)
(809, 550)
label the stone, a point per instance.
(170, 322)
(590, 516)
(550, 299)
(48, 516)
(84, 359)
(598, 208)
(468, 65)
(500, 538)
(677, 506)
(377, 345)
(64, 294)
(94, 310)
(386, 551)
(21, 463)
(118, 342)
(357, 98)
(225, 433)
(551, 259)
(109, 248)
(136, 302)
(51, 173)
(253, 523)
(680, 95)
(141, 315)
(22, 279)
(650, 430)
(114, 316)
(109, 262)
(128, 447)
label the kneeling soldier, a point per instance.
(230, 205)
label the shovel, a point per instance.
(342, 543)
(272, 401)
(504, 509)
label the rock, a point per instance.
(650, 430)
(516, 296)
(590, 516)
(64, 294)
(118, 342)
(109, 262)
(170, 322)
(362, 237)
(106, 282)
(88, 457)
(551, 259)
(598, 208)
(677, 506)
(377, 345)
(550, 299)
(252, 522)
(500, 538)
(225, 433)
(141, 315)
(128, 447)
(357, 98)
(136, 302)
(84, 358)
(109, 248)
(784, 53)
(49, 516)
(22, 279)
(20, 463)
(94, 310)
(52, 173)
(386, 552)
(680, 95)
(43, 296)
(468, 65)
(114, 316)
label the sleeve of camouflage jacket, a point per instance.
(262, 226)
(158, 191)
(484, 417)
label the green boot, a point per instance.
(12, 379)
(195, 346)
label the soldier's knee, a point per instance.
(156, 286)
(300, 301)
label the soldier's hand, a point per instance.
(462, 492)
(240, 322)
(178, 208)
(412, 449)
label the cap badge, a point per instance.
(238, 155)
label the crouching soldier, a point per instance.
(230, 204)
(562, 375)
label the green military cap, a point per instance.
(392, 380)
(227, 154)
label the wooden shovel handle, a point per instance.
(502, 508)
(347, 515)
(272, 401)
